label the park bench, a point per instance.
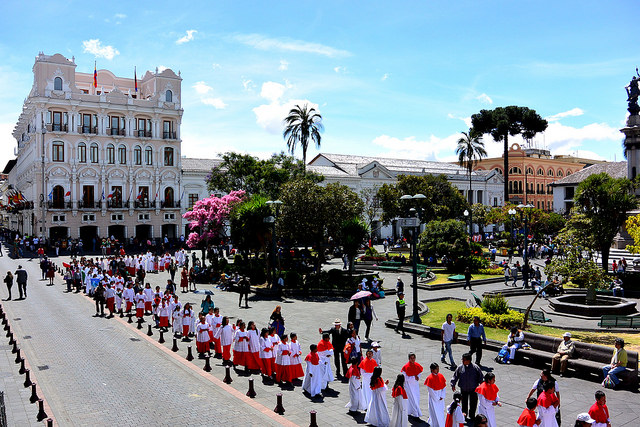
(477, 299)
(534, 315)
(389, 265)
(613, 321)
(587, 358)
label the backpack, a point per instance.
(608, 382)
(503, 356)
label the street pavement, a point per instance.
(105, 372)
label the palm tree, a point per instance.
(470, 150)
(303, 124)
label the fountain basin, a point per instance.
(603, 305)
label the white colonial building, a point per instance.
(361, 172)
(98, 160)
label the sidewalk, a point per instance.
(20, 412)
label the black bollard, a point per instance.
(129, 315)
(279, 409)
(11, 340)
(14, 350)
(27, 381)
(175, 345)
(227, 378)
(161, 340)
(21, 371)
(149, 332)
(312, 415)
(41, 414)
(34, 394)
(207, 364)
(139, 323)
(49, 422)
(8, 329)
(189, 354)
(121, 314)
(18, 357)
(251, 393)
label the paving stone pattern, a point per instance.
(95, 367)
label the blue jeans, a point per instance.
(447, 349)
(608, 370)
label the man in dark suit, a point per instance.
(339, 337)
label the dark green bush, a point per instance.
(495, 305)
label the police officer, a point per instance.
(401, 309)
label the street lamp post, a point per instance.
(467, 214)
(525, 211)
(512, 215)
(415, 318)
(43, 199)
(272, 221)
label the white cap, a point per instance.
(567, 334)
(375, 344)
(585, 418)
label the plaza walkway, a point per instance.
(105, 372)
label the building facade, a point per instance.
(361, 173)
(101, 159)
(531, 171)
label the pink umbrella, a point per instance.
(360, 295)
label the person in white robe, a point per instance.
(356, 396)
(313, 376)
(412, 371)
(399, 411)
(437, 387)
(378, 412)
(488, 399)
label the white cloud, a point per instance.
(431, 148)
(186, 38)
(272, 91)
(340, 70)
(289, 45)
(466, 120)
(216, 103)
(95, 47)
(284, 65)
(161, 68)
(202, 88)
(120, 15)
(216, 66)
(248, 84)
(7, 143)
(385, 76)
(484, 98)
(574, 112)
(270, 116)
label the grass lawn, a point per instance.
(438, 311)
(442, 278)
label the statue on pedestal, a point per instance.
(633, 91)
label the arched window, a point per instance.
(529, 170)
(137, 155)
(560, 173)
(57, 197)
(498, 170)
(148, 156)
(568, 173)
(169, 96)
(58, 151)
(540, 172)
(550, 172)
(57, 83)
(94, 153)
(122, 155)
(82, 152)
(168, 197)
(168, 156)
(111, 154)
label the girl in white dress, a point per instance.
(488, 399)
(377, 412)
(399, 412)
(356, 397)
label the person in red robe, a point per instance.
(455, 417)
(528, 417)
(412, 371)
(599, 411)
(436, 384)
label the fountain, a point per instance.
(603, 305)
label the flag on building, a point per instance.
(67, 194)
(182, 195)
(110, 195)
(140, 195)
(130, 193)
(95, 75)
(103, 193)
(50, 196)
(135, 78)
(156, 198)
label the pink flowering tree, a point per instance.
(208, 216)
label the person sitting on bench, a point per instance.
(565, 351)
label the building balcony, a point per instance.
(59, 205)
(116, 132)
(168, 135)
(93, 130)
(117, 204)
(143, 133)
(89, 204)
(57, 128)
(145, 204)
(169, 204)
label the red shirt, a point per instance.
(313, 358)
(436, 381)
(527, 418)
(600, 413)
(367, 365)
(547, 399)
(489, 391)
(399, 391)
(412, 369)
(353, 372)
(325, 345)
(379, 383)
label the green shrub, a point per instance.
(491, 271)
(501, 321)
(495, 305)
(238, 259)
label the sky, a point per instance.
(390, 79)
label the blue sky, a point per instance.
(397, 79)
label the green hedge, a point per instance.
(502, 321)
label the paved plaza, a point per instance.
(97, 371)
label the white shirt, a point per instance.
(448, 331)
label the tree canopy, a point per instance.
(302, 126)
(604, 201)
(255, 176)
(249, 231)
(443, 200)
(504, 121)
